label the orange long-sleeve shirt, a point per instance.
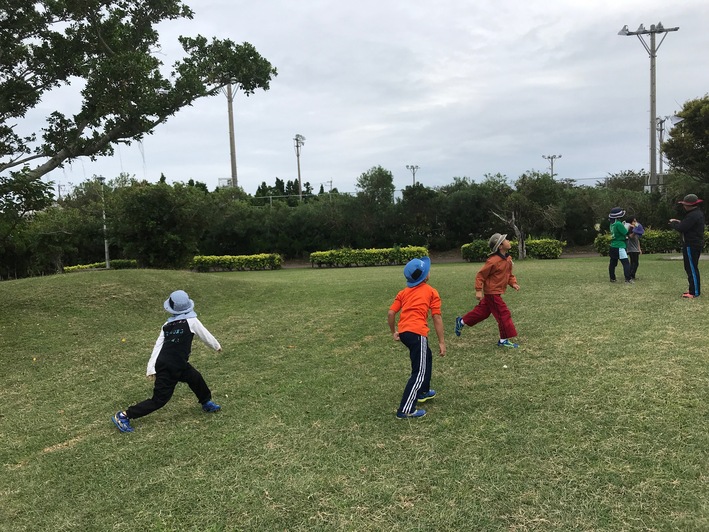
(495, 275)
(415, 304)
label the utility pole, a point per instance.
(413, 168)
(551, 158)
(652, 51)
(299, 140)
(674, 119)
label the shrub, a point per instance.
(544, 248)
(653, 241)
(210, 263)
(366, 257)
(117, 264)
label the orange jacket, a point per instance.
(495, 275)
(415, 304)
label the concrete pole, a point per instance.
(232, 143)
(653, 114)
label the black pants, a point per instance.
(613, 253)
(634, 262)
(691, 254)
(421, 363)
(166, 379)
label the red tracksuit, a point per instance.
(493, 279)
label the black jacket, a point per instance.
(692, 228)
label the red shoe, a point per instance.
(687, 295)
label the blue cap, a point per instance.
(416, 271)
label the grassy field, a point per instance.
(599, 421)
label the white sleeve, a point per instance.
(155, 353)
(203, 334)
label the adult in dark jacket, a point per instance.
(692, 230)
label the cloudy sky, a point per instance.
(456, 87)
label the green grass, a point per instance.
(599, 421)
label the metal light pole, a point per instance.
(652, 51)
(551, 158)
(299, 141)
(413, 168)
(102, 180)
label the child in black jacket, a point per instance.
(169, 362)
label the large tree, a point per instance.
(687, 148)
(109, 50)
(376, 185)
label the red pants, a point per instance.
(493, 304)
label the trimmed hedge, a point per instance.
(366, 257)
(543, 248)
(653, 241)
(117, 264)
(228, 263)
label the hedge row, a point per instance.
(228, 263)
(653, 241)
(543, 248)
(366, 257)
(117, 264)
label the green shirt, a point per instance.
(618, 234)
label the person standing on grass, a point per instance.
(415, 302)
(618, 251)
(169, 361)
(490, 283)
(692, 230)
(635, 231)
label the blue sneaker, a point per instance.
(122, 422)
(211, 406)
(416, 413)
(423, 397)
(458, 325)
(506, 343)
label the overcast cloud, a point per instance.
(459, 88)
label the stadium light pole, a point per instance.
(413, 168)
(102, 180)
(299, 140)
(651, 49)
(232, 142)
(551, 159)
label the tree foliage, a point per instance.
(111, 51)
(376, 185)
(20, 197)
(687, 148)
(163, 225)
